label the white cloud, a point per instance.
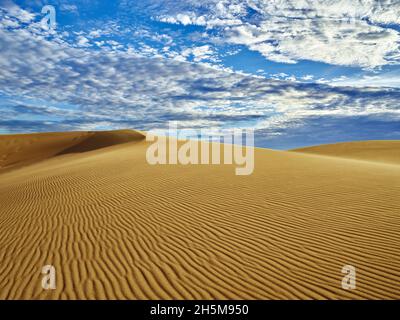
(13, 12)
(69, 8)
(341, 32)
(199, 53)
(83, 41)
(389, 80)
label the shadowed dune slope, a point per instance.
(380, 151)
(22, 149)
(114, 226)
(102, 139)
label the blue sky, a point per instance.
(298, 72)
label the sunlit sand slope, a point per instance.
(379, 151)
(116, 227)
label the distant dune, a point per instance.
(116, 227)
(379, 151)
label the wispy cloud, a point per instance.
(345, 32)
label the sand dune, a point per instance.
(116, 227)
(377, 151)
(22, 149)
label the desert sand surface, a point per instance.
(377, 151)
(116, 227)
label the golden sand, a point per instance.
(376, 151)
(116, 227)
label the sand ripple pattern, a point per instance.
(115, 227)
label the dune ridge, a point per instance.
(23, 149)
(385, 151)
(116, 227)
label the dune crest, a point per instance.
(23, 149)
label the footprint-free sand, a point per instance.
(116, 227)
